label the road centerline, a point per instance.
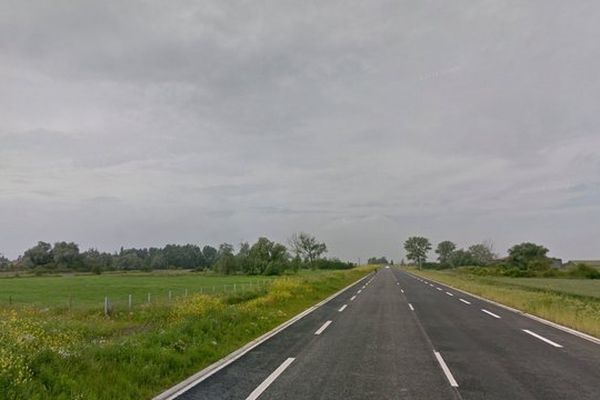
(465, 301)
(342, 308)
(352, 298)
(323, 327)
(449, 294)
(411, 307)
(270, 379)
(446, 370)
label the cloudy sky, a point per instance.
(142, 123)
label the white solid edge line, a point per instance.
(449, 294)
(446, 370)
(352, 298)
(182, 387)
(322, 328)
(541, 320)
(550, 342)
(270, 379)
(465, 301)
(342, 308)
(411, 307)
(490, 313)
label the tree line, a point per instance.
(524, 259)
(265, 257)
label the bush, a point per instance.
(584, 271)
(325, 263)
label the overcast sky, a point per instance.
(141, 123)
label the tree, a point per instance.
(267, 257)
(417, 248)
(481, 254)
(528, 256)
(307, 246)
(66, 256)
(444, 250)
(129, 260)
(39, 255)
(225, 259)
(95, 261)
(460, 258)
(210, 255)
(4, 263)
(377, 261)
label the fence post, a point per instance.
(148, 297)
(170, 295)
(235, 287)
(129, 303)
(106, 305)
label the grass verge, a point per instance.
(83, 355)
(564, 305)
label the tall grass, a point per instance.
(84, 355)
(575, 311)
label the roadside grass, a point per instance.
(81, 354)
(574, 303)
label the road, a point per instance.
(396, 336)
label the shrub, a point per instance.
(584, 271)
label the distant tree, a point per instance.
(186, 256)
(444, 250)
(460, 258)
(377, 261)
(226, 263)
(129, 260)
(267, 257)
(482, 254)
(243, 257)
(95, 261)
(66, 256)
(528, 256)
(159, 261)
(4, 263)
(210, 255)
(417, 248)
(307, 247)
(38, 256)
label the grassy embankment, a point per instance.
(570, 302)
(81, 354)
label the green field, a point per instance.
(576, 287)
(60, 353)
(88, 291)
(571, 302)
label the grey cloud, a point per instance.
(142, 123)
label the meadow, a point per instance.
(571, 302)
(83, 291)
(57, 353)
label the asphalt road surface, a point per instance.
(396, 336)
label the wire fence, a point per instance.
(130, 300)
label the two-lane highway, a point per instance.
(397, 336)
